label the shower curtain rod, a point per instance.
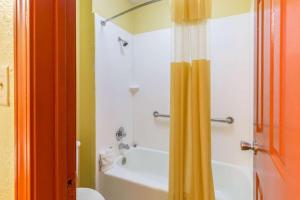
(103, 22)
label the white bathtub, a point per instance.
(145, 176)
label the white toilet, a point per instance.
(86, 193)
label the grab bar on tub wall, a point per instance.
(228, 120)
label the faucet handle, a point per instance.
(124, 146)
(120, 134)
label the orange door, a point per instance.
(45, 99)
(277, 99)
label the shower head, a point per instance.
(125, 44)
(122, 42)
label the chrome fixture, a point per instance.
(120, 134)
(124, 146)
(124, 161)
(246, 146)
(122, 42)
(134, 145)
(156, 114)
(228, 120)
(103, 23)
(100, 164)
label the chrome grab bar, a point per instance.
(228, 120)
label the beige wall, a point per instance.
(152, 17)
(157, 16)
(224, 8)
(86, 93)
(7, 113)
(107, 8)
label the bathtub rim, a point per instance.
(113, 171)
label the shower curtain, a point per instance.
(190, 143)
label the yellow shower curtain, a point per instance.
(190, 143)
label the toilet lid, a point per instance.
(88, 194)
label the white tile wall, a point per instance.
(145, 62)
(113, 72)
(232, 82)
(151, 58)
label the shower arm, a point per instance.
(228, 120)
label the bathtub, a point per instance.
(145, 176)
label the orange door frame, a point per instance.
(45, 99)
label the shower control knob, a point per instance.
(246, 146)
